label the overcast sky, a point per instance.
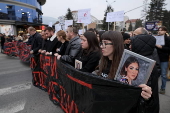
(56, 8)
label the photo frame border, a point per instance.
(151, 64)
(78, 61)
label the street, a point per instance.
(18, 95)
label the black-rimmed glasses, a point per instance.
(103, 44)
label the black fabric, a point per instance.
(90, 61)
(165, 51)
(107, 70)
(145, 45)
(44, 44)
(30, 40)
(106, 96)
(78, 92)
(2, 40)
(36, 43)
(63, 48)
(51, 46)
(73, 48)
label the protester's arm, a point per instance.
(72, 54)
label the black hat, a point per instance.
(125, 36)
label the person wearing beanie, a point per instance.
(126, 38)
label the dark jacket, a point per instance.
(29, 40)
(2, 40)
(63, 48)
(36, 42)
(165, 51)
(89, 61)
(44, 44)
(52, 45)
(72, 50)
(145, 45)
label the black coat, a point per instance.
(63, 48)
(44, 44)
(165, 51)
(51, 46)
(36, 42)
(29, 40)
(145, 45)
(2, 40)
(73, 48)
(89, 61)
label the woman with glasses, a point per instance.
(112, 50)
(90, 54)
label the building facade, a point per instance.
(17, 15)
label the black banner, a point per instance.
(79, 92)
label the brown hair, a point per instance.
(49, 29)
(163, 28)
(92, 42)
(62, 33)
(31, 29)
(73, 29)
(117, 39)
(128, 61)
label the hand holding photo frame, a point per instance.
(134, 69)
(78, 64)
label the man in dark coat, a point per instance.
(163, 52)
(73, 48)
(36, 40)
(2, 42)
(52, 43)
(144, 44)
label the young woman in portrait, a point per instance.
(130, 70)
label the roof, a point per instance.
(131, 20)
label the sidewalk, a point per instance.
(165, 99)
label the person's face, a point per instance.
(84, 42)
(68, 33)
(132, 71)
(107, 48)
(30, 32)
(48, 34)
(59, 38)
(127, 41)
(161, 32)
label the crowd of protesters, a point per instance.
(100, 53)
(11, 38)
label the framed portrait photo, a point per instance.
(134, 69)
(78, 64)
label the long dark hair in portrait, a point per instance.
(92, 42)
(128, 61)
(117, 39)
